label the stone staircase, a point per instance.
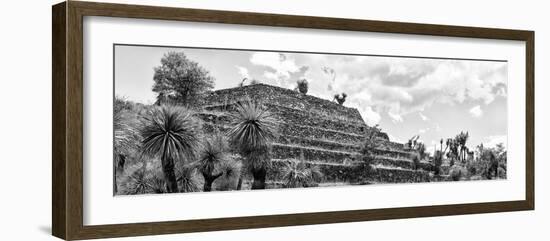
(318, 131)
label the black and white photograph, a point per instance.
(190, 119)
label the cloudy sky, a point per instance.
(433, 98)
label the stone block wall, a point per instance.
(320, 131)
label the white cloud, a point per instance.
(423, 117)
(430, 149)
(395, 117)
(395, 86)
(399, 86)
(243, 72)
(394, 139)
(422, 131)
(476, 111)
(492, 141)
(370, 116)
(280, 66)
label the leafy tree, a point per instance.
(171, 134)
(493, 161)
(252, 131)
(302, 86)
(181, 80)
(211, 157)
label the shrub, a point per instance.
(187, 179)
(472, 169)
(476, 178)
(501, 173)
(367, 153)
(231, 172)
(438, 160)
(457, 172)
(142, 181)
(300, 174)
(340, 98)
(416, 162)
(302, 86)
(135, 182)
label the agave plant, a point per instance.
(299, 174)
(212, 155)
(171, 134)
(252, 131)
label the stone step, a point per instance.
(345, 147)
(389, 152)
(284, 151)
(212, 122)
(393, 162)
(325, 138)
(303, 117)
(355, 173)
(317, 133)
(282, 97)
(324, 144)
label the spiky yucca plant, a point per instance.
(252, 130)
(142, 181)
(299, 174)
(231, 172)
(186, 178)
(136, 183)
(171, 134)
(211, 156)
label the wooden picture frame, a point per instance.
(67, 123)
